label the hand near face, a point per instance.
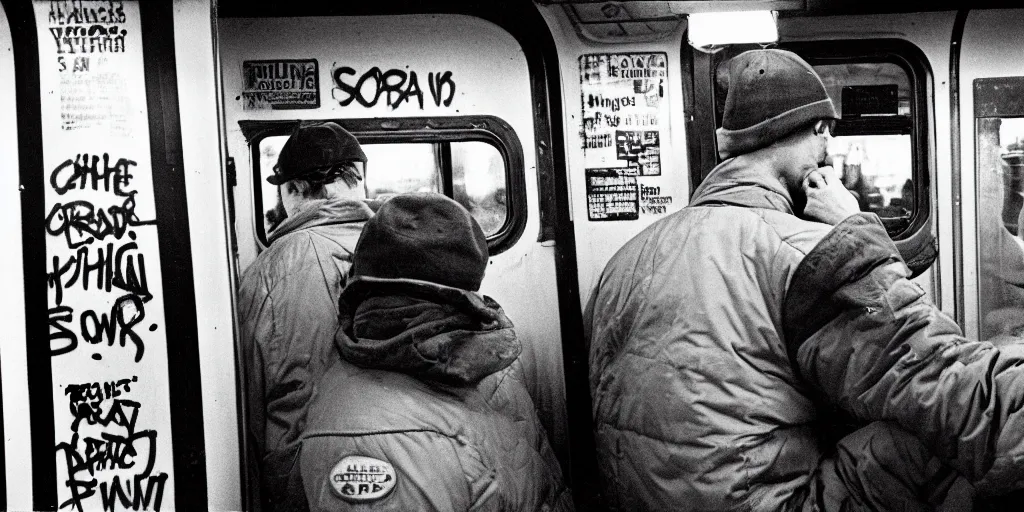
(828, 200)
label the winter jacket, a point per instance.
(870, 343)
(426, 410)
(696, 404)
(288, 304)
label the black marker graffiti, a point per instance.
(123, 268)
(117, 327)
(94, 27)
(118, 448)
(72, 12)
(82, 223)
(117, 266)
(84, 173)
(395, 85)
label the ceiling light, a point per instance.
(707, 29)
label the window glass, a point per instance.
(269, 201)
(1000, 245)
(872, 147)
(877, 169)
(478, 183)
(474, 170)
(399, 168)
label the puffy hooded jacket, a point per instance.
(696, 403)
(426, 410)
(869, 342)
(288, 307)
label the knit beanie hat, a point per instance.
(771, 93)
(424, 236)
(313, 148)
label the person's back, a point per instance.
(742, 358)
(689, 375)
(426, 409)
(288, 301)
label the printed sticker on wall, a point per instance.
(280, 84)
(623, 103)
(612, 194)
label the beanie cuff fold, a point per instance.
(745, 140)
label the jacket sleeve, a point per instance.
(868, 340)
(431, 471)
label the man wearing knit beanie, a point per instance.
(288, 302)
(764, 349)
(427, 409)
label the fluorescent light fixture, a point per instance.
(737, 27)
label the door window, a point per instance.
(1000, 188)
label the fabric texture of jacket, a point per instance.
(288, 304)
(869, 342)
(696, 403)
(426, 409)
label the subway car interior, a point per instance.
(137, 137)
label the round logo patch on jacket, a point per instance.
(358, 479)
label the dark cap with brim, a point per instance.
(314, 147)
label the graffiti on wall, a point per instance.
(107, 338)
(101, 253)
(623, 102)
(394, 87)
(106, 440)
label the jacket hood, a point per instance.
(742, 182)
(322, 212)
(423, 329)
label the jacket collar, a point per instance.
(743, 181)
(322, 212)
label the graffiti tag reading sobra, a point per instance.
(106, 257)
(395, 86)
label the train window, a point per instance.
(1000, 187)
(879, 145)
(471, 166)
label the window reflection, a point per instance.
(1000, 246)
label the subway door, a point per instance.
(992, 150)
(440, 103)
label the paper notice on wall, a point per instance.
(623, 108)
(108, 347)
(612, 194)
(280, 84)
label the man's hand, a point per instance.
(828, 200)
